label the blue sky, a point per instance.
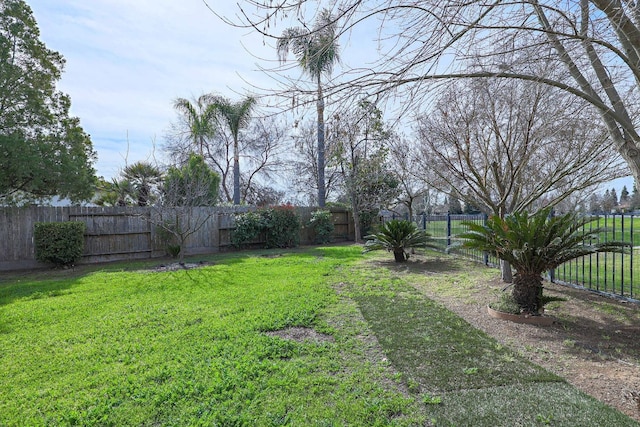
(128, 60)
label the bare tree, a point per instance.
(360, 153)
(260, 149)
(409, 171)
(593, 45)
(184, 208)
(263, 156)
(303, 170)
(504, 146)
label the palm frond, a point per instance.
(396, 236)
(539, 242)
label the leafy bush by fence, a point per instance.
(321, 223)
(280, 226)
(59, 243)
(126, 233)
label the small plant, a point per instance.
(166, 234)
(397, 236)
(321, 223)
(413, 386)
(544, 419)
(59, 243)
(173, 250)
(432, 400)
(506, 304)
(470, 371)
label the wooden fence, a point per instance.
(127, 233)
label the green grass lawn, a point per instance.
(124, 346)
(606, 272)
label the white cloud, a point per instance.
(127, 61)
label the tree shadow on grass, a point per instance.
(598, 328)
(424, 264)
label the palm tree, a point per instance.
(397, 236)
(317, 52)
(123, 190)
(534, 244)
(143, 176)
(235, 115)
(199, 117)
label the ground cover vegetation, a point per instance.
(124, 344)
(592, 343)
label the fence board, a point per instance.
(120, 233)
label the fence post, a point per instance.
(424, 220)
(552, 272)
(448, 229)
(485, 254)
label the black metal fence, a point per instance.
(608, 273)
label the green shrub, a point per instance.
(280, 226)
(59, 243)
(321, 223)
(248, 227)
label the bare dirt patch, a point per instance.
(594, 343)
(300, 334)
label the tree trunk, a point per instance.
(356, 222)
(236, 173)
(321, 184)
(527, 291)
(505, 271)
(399, 255)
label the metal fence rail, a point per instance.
(608, 273)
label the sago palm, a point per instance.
(533, 244)
(397, 236)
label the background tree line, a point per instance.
(492, 143)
